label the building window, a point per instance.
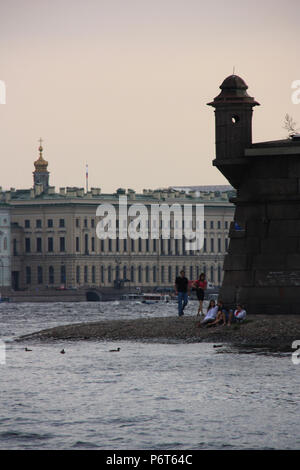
(28, 275)
(15, 251)
(154, 273)
(183, 244)
(132, 245)
(226, 244)
(93, 275)
(77, 244)
(191, 272)
(61, 223)
(77, 223)
(212, 247)
(219, 224)
(93, 223)
(27, 223)
(219, 245)
(50, 244)
(147, 245)
(125, 245)
(50, 223)
(62, 244)
(102, 245)
(5, 244)
(124, 272)
(117, 244)
(212, 272)
(40, 275)
(154, 245)
(162, 274)
(39, 245)
(85, 223)
(27, 245)
(102, 274)
(132, 274)
(140, 245)
(226, 224)
(63, 274)
(211, 224)
(219, 274)
(147, 273)
(51, 275)
(110, 245)
(38, 223)
(140, 274)
(162, 246)
(109, 273)
(204, 224)
(78, 274)
(86, 278)
(170, 274)
(93, 243)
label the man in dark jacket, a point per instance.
(182, 290)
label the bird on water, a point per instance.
(26, 349)
(115, 350)
(62, 351)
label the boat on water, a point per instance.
(148, 298)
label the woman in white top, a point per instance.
(211, 313)
(238, 315)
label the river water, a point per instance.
(150, 395)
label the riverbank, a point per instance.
(274, 332)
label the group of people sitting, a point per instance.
(221, 315)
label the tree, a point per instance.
(290, 125)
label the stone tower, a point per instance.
(41, 174)
(262, 267)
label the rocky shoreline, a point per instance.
(273, 332)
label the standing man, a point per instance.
(182, 290)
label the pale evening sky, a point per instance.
(123, 84)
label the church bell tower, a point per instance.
(41, 174)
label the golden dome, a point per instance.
(41, 164)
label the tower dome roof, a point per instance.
(233, 90)
(234, 82)
(40, 164)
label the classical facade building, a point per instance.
(5, 255)
(54, 239)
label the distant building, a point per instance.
(54, 241)
(5, 244)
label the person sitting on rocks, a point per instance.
(223, 314)
(211, 314)
(238, 316)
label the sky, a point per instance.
(122, 85)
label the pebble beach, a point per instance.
(274, 332)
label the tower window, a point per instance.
(235, 118)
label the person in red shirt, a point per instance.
(200, 286)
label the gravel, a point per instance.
(274, 332)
